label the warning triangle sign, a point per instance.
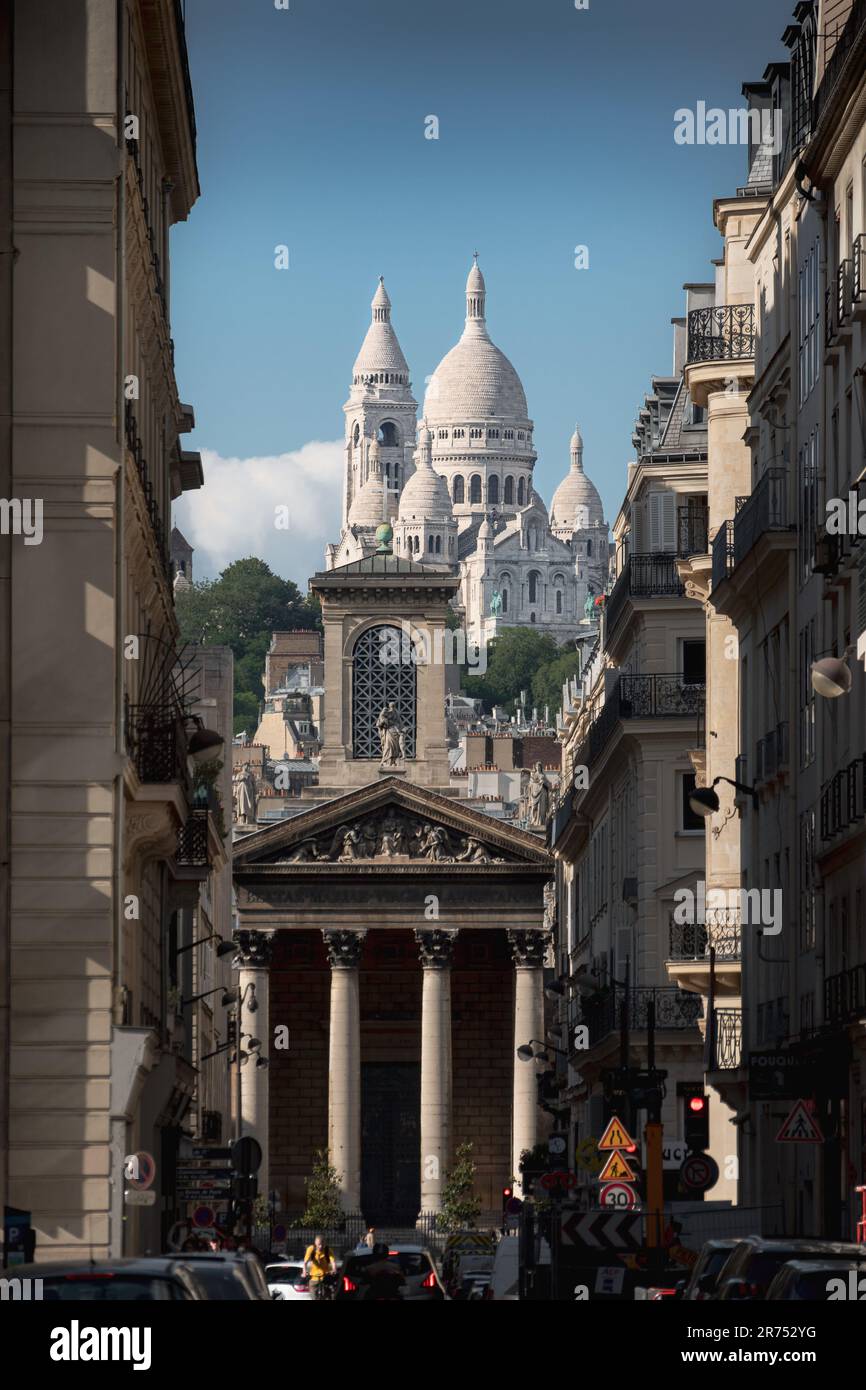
(800, 1127)
(616, 1136)
(617, 1170)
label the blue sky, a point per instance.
(555, 129)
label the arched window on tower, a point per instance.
(376, 682)
(493, 489)
(450, 545)
(388, 437)
(509, 492)
(533, 586)
(457, 488)
(504, 595)
(415, 544)
(475, 488)
(559, 600)
(438, 545)
(356, 435)
(520, 493)
(431, 544)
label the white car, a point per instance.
(287, 1281)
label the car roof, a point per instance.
(806, 1243)
(130, 1264)
(816, 1266)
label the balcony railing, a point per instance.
(727, 1040)
(192, 840)
(673, 1009)
(642, 697)
(722, 333)
(845, 995)
(720, 931)
(723, 553)
(692, 532)
(843, 799)
(156, 742)
(844, 284)
(134, 444)
(765, 510)
(858, 275)
(772, 752)
(643, 576)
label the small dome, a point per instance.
(425, 495)
(485, 530)
(475, 280)
(380, 350)
(577, 439)
(576, 502)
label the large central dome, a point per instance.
(475, 381)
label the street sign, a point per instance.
(616, 1136)
(778, 1076)
(141, 1168)
(203, 1216)
(204, 1166)
(561, 1178)
(800, 1127)
(132, 1198)
(617, 1170)
(610, 1279)
(246, 1156)
(603, 1230)
(618, 1194)
(557, 1145)
(587, 1156)
(699, 1172)
(674, 1153)
(211, 1151)
(193, 1175)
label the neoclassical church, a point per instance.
(458, 490)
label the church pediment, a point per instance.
(390, 824)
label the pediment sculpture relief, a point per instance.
(389, 835)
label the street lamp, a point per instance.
(203, 743)
(222, 949)
(704, 801)
(527, 1054)
(831, 676)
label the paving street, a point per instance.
(433, 710)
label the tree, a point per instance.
(460, 1207)
(323, 1208)
(513, 658)
(548, 680)
(240, 610)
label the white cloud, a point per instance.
(233, 515)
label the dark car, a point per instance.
(701, 1283)
(222, 1269)
(819, 1281)
(754, 1263)
(420, 1280)
(151, 1279)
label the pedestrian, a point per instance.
(370, 1237)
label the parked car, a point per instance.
(241, 1263)
(421, 1282)
(287, 1281)
(754, 1262)
(129, 1280)
(701, 1283)
(810, 1280)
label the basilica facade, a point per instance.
(458, 489)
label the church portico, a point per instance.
(406, 978)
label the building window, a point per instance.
(356, 435)
(375, 683)
(457, 489)
(520, 493)
(388, 437)
(688, 819)
(508, 434)
(475, 488)
(694, 662)
(509, 492)
(559, 600)
(475, 433)
(450, 545)
(431, 545)
(807, 695)
(438, 545)
(492, 434)
(810, 318)
(504, 596)
(533, 586)
(493, 489)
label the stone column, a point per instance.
(528, 948)
(344, 1069)
(436, 949)
(254, 958)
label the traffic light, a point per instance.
(507, 1194)
(696, 1129)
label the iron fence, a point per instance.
(723, 553)
(845, 995)
(721, 333)
(766, 509)
(692, 531)
(727, 1039)
(720, 931)
(673, 1009)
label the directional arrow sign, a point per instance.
(602, 1230)
(616, 1136)
(617, 1170)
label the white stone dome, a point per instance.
(475, 381)
(380, 350)
(425, 495)
(576, 502)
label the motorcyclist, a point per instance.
(383, 1275)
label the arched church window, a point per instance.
(383, 670)
(559, 600)
(505, 600)
(438, 545)
(458, 488)
(475, 488)
(415, 544)
(431, 545)
(356, 435)
(533, 586)
(493, 490)
(450, 545)
(388, 436)
(520, 493)
(589, 547)
(509, 492)
(475, 433)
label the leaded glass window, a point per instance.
(383, 669)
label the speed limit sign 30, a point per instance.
(618, 1194)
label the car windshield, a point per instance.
(410, 1262)
(109, 1289)
(221, 1282)
(814, 1285)
(283, 1274)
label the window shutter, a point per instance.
(669, 521)
(654, 523)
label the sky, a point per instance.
(555, 130)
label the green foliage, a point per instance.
(241, 609)
(514, 657)
(460, 1207)
(548, 680)
(323, 1209)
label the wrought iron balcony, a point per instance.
(722, 333)
(843, 799)
(845, 995)
(192, 840)
(858, 275)
(723, 553)
(766, 509)
(642, 697)
(692, 532)
(844, 287)
(156, 742)
(673, 1009)
(134, 444)
(726, 1044)
(643, 576)
(720, 931)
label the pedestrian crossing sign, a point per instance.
(617, 1170)
(616, 1136)
(800, 1127)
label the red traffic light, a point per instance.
(507, 1191)
(697, 1104)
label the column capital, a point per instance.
(436, 947)
(528, 948)
(343, 948)
(255, 949)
